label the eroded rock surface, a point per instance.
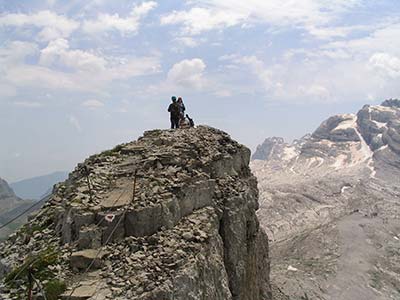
(172, 214)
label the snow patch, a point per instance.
(370, 166)
(350, 122)
(344, 188)
(290, 268)
(382, 148)
(380, 124)
(383, 108)
(340, 162)
(359, 151)
(311, 162)
(289, 153)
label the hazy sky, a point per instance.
(77, 77)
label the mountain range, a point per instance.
(330, 203)
(38, 187)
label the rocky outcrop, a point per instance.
(170, 216)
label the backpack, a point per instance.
(174, 109)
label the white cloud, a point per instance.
(128, 25)
(51, 24)
(188, 73)
(198, 20)
(60, 67)
(93, 104)
(16, 52)
(254, 65)
(218, 14)
(386, 63)
(383, 38)
(58, 51)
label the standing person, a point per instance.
(181, 107)
(174, 111)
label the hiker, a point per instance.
(174, 111)
(181, 107)
(184, 123)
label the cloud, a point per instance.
(188, 73)
(254, 65)
(219, 14)
(128, 25)
(60, 67)
(386, 63)
(382, 38)
(74, 122)
(198, 20)
(51, 24)
(16, 52)
(92, 104)
(58, 52)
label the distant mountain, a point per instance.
(8, 199)
(10, 206)
(330, 203)
(37, 187)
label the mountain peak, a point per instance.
(167, 216)
(391, 103)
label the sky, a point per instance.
(79, 77)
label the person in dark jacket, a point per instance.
(174, 111)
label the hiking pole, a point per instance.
(134, 186)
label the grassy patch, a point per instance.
(54, 288)
(376, 282)
(38, 264)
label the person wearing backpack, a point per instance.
(174, 111)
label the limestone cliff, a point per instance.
(170, 216)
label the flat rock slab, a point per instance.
(84, 291)
(118, 198)
(85, 258)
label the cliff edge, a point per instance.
(169, 216)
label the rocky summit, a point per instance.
(330, 204)
(169, 216)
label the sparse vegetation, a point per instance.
(38, 264)
(54, 288)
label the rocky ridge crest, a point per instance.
(170, 216)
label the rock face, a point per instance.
(331, 209)
(170, 216)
